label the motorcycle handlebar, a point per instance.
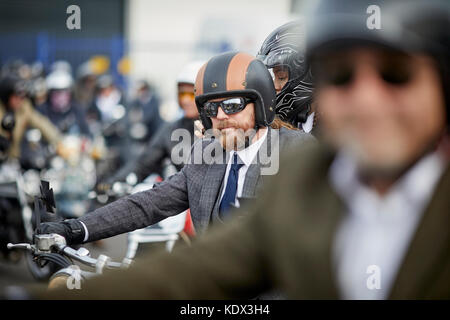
(99, 263)
(25, 246)
(48, 242)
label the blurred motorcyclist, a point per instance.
(61, 65)
(107, 97)
(160, 146)
(38, 93)
(13, 101)
(61, 107)
(106, 118)
(37, 88)
(283, 53)
(85, 85)
(16, 68)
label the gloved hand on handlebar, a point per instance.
(46, 217)
(72, 230)
(50, 217)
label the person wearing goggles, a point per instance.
(229, 106)
(234, 108)
(160, 146)
(13, 100)
(231, 119)
(234, 93)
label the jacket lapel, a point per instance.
(210, 190)
(251, 180)
(214, 216)
(429, 248)
(253, 176)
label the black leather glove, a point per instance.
(71, 229)
(46, 217)
(50, 217)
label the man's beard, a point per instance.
(238, 137)
(389, 160)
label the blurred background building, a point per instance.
(137, 39)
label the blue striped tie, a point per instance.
(229, 197)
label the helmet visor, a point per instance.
(280, 76)
(277, 62)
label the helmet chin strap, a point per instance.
(300, 113)
(248, 139)
(247, 142)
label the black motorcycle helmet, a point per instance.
(10, 85)
(236, 74)
(285, 47)
(407, 26)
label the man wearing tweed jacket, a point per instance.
(235, 95)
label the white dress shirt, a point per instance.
(307, 126)
(246, 155)
(86, 232)
(374, 236)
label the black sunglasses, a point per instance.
(229, 106)
(394, 71)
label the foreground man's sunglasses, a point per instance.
(393, 69)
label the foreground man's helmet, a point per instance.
(407, 26)
(285, 47)
(236, 74)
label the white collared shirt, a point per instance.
(374, 236)
(246, 155)
(307, 126)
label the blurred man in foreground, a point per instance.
(365, 217)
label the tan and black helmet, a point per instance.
(236, 74)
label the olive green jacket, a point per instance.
(27, 117)
(284, 240)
